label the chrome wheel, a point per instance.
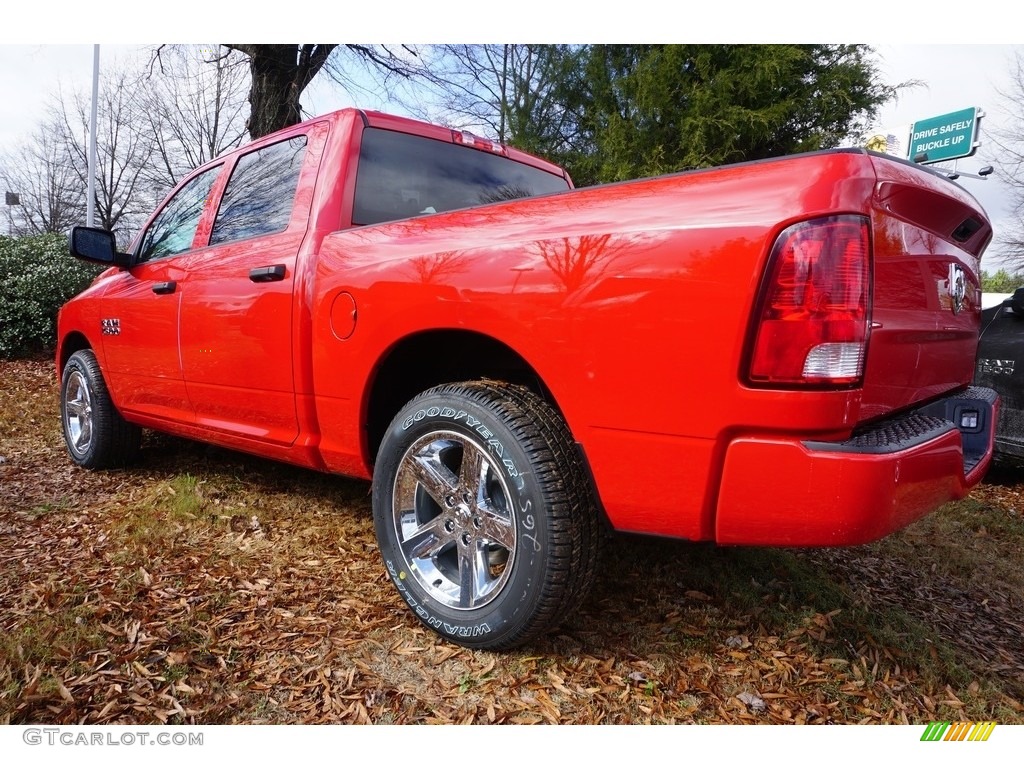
(454, 519)
(78, 423)
(95, 433)
(485, 517)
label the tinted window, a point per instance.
(402, 175)
(174, 227)
(260, 193)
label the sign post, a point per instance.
(946, 137)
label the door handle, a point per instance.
(267, 274)
(167, 287)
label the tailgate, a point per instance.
(929, 235)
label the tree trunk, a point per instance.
(274, 95)
(279, 75)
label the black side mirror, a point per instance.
(98, 246)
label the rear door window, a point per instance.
(260, 194)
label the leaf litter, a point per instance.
(203, 586)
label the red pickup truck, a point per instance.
(770, 353)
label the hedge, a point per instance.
(37, 275)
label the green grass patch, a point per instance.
(47, 638)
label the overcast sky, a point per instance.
(36, 61)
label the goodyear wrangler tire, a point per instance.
(96, 435)
(484, 515)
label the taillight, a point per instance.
(815, 305)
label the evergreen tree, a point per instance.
(644, 110)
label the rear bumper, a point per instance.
(791, 492)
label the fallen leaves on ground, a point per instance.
(203, 586)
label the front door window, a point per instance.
(174, 228)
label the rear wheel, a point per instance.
(95, 433)
(484, 514)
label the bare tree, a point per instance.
(50, 193)
(158, 118)
(508, 92)
(194, 104)
(280, 73)
(1011, 162)
(124, 148)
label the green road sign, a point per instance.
(946, 137)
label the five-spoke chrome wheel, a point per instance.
(454, 519)
(96, 435)
(484, 514)
(78, 413)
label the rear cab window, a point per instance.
(401, 175)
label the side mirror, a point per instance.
(98, 246)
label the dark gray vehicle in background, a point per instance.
(1000, 365)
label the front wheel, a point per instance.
(95, 433)
(484, 514)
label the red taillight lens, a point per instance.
(815, 305)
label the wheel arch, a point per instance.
(414, 364)
(73, 342)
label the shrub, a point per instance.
(37, 275)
